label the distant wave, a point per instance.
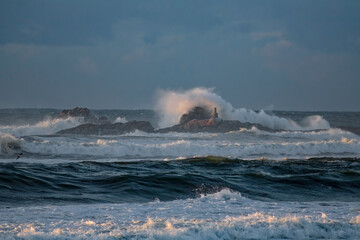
(49, 126)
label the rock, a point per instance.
(109, 129)
(78, 112)
(103, 120)
(214, 113)
(198, 113)
(201, 120)
(211, 125)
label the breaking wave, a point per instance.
(172, 104)
(121, 120)
(222, 215)
(49, 126)
(8, 143)
(243, 144)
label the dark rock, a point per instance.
(109, 129)
(201, 120)
(198, 113)
(103, 120)
(78, 112)
(215, 125)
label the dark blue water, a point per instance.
(119, 182)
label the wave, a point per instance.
(217, 216)
(332, 133)
(171, 105)
(243, 144)
(252, 226)
(244, 148)
(48, 126)
(143, 181)
(120, 119)
(8, 143)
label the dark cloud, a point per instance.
(70, 22)
(329, 25)
(115, 54)
(325, 25)
(58, 22)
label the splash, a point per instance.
(120, 120)
(171, 105)
(8, 143)
(48, 126)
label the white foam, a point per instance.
(333, 134)
(224, 194)
(121, 120)
(7, 142)
(48, 126)
(171, 105)
(222, 215)
(300, 145)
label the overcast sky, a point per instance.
(292, 55)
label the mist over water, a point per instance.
(171, 105)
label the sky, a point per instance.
(282, 55)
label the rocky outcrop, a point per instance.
(83, 113)
(103, 120)
(80, 113)
(198, 113)
(109, 129)
(214, 125)
(199, 119)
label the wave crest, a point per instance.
(8, 143)
(171, 105)
(48, 126)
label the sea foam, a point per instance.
(221, 215)
(242, 145)
(48, 126)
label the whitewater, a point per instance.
(298, 181)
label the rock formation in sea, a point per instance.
(83, 113)
(198, 119)
(109, 129)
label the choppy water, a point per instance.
(246, 184)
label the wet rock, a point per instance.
(198, 113)
(202, 120)
(199, 119)
(78, 112)
(103, 120)
(109, 129)
(211, 125)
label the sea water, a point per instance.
(299, 183)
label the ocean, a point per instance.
(300, 183)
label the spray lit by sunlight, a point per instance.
(171, 105)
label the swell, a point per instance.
(118, 182)
(249, 144)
